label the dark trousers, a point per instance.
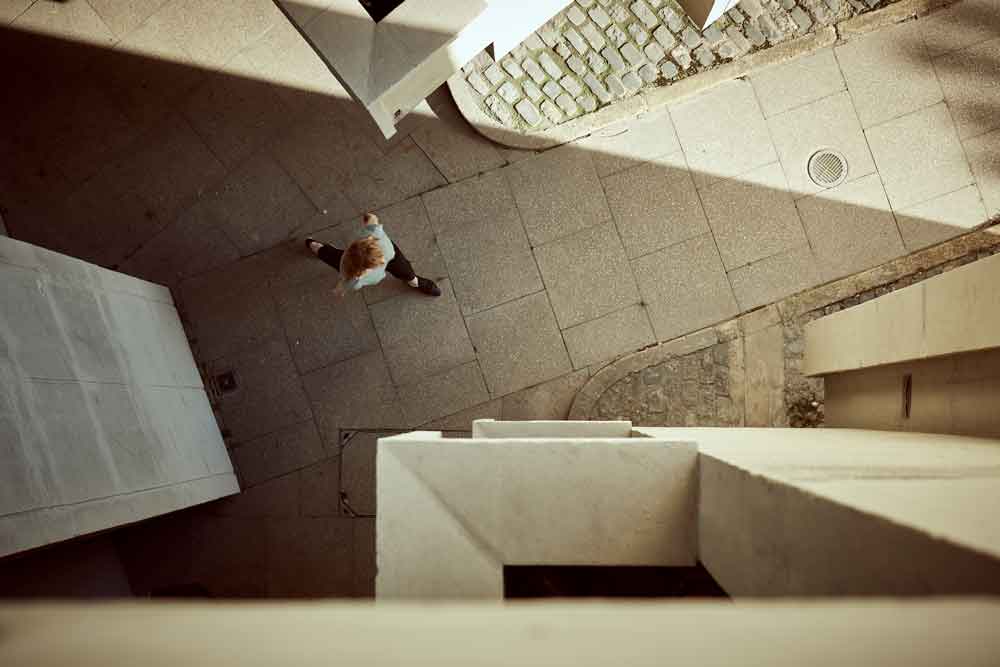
(398, 266)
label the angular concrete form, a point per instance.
(955, 312)
(452, 512)
(390, 66)
(886, 633)
(838, 512)
(925, 358)
(103, 417)
(769, 512)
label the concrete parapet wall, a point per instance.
(958, 311)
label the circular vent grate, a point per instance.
(827, 168)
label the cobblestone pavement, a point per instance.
(748, 371)
(597, 51)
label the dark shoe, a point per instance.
(428, 286)
(309, 242)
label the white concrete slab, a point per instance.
(107, 419)
(482, 504)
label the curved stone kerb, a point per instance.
(591, 392)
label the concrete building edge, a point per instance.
(154, 502)
(653, 99)
(712, 558)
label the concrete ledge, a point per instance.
(29, 530)
(882, 633)
(958, 311)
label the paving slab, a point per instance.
(365, 569)
(630, 143)
(236, 115)
(655, 205)
(203, 27)
(356, 393)
(984, 157)
(960, 25)
(490, 261)
(476, 199)
(259, 205)
(422, 335)
(284, 57)
(322, 153)
(190, 246)
(441, 395)
(319, 485)
(404, 171)
(609, 336)
(557, 193)
(323, 328)
(230, 308)
(753, 217)
(828, 123)
(457, 150)
(941, 218)
(279, 453)
(889, 73)
(851, 227)
(269, 393)
(971, 86)
(775, 277)
(587, 275)
(797, 82)
(919, 156)
(310, 557)
(723, 132)
(547, 400)
(519, 344)
(357, 472)
(685, 287)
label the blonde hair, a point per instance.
(360, 256)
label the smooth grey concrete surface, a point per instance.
(453, 512)
(107, 419)
(885, 513)
(948, 314)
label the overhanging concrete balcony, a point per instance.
(391, 65)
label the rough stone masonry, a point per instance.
(596, 51)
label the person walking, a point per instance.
(368, 258)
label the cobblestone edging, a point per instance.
(600, 61)
(720, 376)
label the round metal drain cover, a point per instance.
(827, 168)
